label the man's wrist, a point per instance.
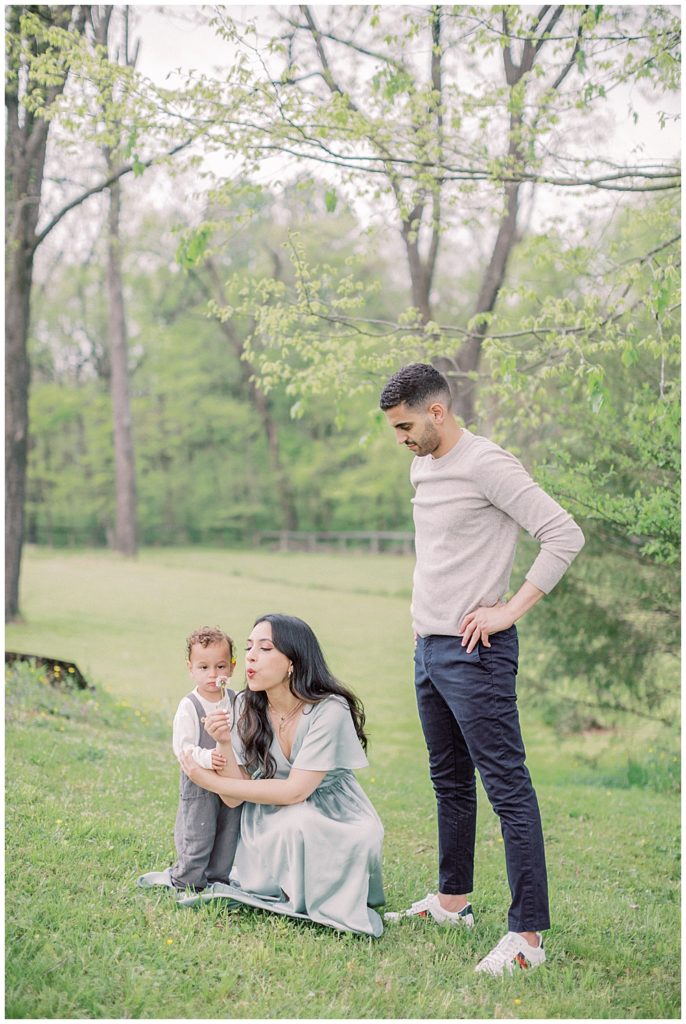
(512, 614)
(526, 597)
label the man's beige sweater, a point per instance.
(468, 508)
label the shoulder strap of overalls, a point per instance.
(204, 740)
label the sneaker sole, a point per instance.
(463, 922)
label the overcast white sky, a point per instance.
(181, 36)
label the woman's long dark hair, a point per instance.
(311, 682)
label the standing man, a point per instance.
(471, 498)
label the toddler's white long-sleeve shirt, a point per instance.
(186, 727)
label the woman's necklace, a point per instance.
(286, 717)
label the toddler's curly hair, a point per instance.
(207, 635)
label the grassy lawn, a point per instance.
(125, 622)
(91, 797)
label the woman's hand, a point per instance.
(193, 770)
(218, 725)
(207, 779)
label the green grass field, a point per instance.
(91, 797)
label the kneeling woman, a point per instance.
(311, 841)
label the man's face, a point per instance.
(417, 428)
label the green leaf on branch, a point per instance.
(193, 247)
(630, 355)
(131, 142)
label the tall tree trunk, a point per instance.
(124, 538)
(469, 356)
(18, 277)
(25, 147)
(422, 268)
(462, 366)
(125, 529)
(468, 359)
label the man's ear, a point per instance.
(437, 412)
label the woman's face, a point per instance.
(266, 668)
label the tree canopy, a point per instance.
(456, 184)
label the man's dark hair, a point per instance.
(415, 385)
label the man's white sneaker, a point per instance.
(511, 954)
(430, 907)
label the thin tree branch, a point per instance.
(667, 178)
(545, 35)
(124, 169)
(317, 36)
(351, 45)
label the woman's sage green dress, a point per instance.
(319, 859)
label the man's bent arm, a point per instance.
(478, 625)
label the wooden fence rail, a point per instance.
(375, 541)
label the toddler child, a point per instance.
(206, 830)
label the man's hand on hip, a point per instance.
(478, 625)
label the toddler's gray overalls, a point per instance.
(206, 830)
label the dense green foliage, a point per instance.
(596, 407)
(202, 452)
(200, 444)
(264, 319)
(598, 422)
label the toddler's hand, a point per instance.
(218, 761)
(218, 725)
